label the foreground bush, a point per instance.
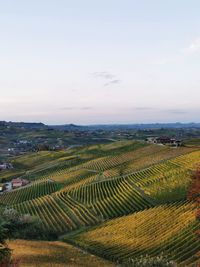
(24, 226)
(147, 261)
(4, 250)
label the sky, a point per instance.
(100, 61)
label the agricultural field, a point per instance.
(163, 229)
(53, 254)
(35, 190)
(120, 201)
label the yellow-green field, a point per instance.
(168, 229)
(53, 254)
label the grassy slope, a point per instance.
(53, 254)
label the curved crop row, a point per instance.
(135, 160)
(32, 191)
(189, 161)
(111, 198)
(58, 212)
(168, 229)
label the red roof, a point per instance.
(17, 180)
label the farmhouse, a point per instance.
(151, 140)
(5, 166)
(16, 183)
(164, 140)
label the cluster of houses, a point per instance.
(5, 166)
(15, 183)
(164, 140)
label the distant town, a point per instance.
(19, 138)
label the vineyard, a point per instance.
(37, 189)
(58, 214)
(120, 201)
(163, 229)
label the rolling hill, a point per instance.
(120, 201)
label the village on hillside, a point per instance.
(14, 183)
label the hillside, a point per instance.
(120, 200)
(168, 229)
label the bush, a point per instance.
(24, 226)
(4, 250)
(148, 261)
(194, 189)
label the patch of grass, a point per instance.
(53, 254)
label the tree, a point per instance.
(43, 147)
(122, 168)
(24, 226)
(4, 250)
(194, 189)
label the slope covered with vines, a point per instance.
(32, 191)
(168, 229)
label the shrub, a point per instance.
(4, 250)
(194, 190)
(148, 261)
(24, 226)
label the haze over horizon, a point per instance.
(100, 62)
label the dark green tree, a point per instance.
(4, 250)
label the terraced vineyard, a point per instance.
(164, 229)
(89, 204)
(148, 155)
(58, 214)
(35, 190)
(125, 200)
(111, 198)
(189, 161)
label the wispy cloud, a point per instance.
(193, 47)
(144, 108)
(103, 75)
(112, 82)
(76, 108)
(175, 111)
(156, 109)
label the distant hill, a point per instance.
(69, 127)
(108, 127)
(144, 126)
(25, 125)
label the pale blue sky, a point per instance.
(98, 61)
